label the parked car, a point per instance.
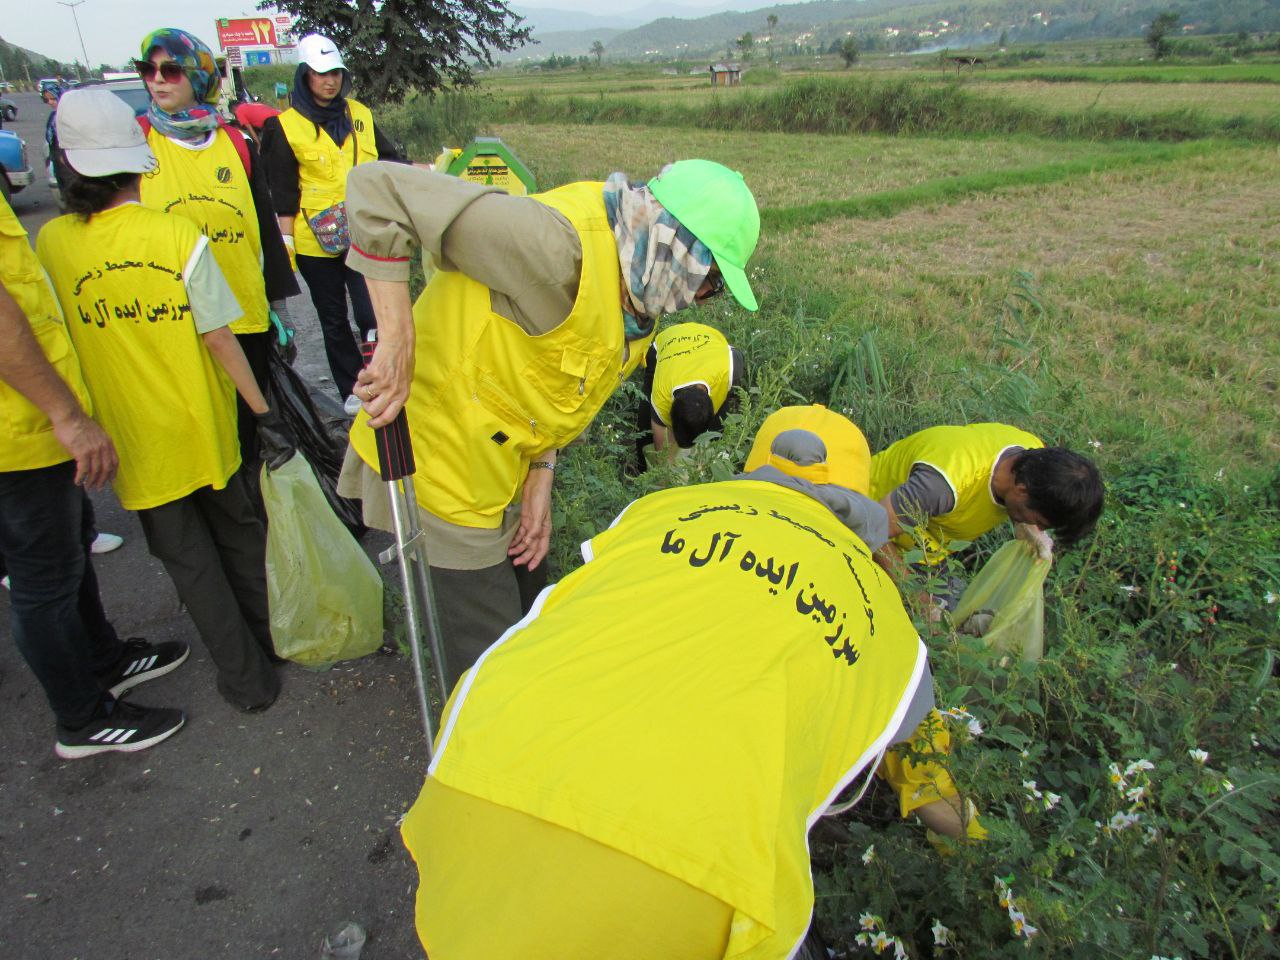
(129, 89)
(13, 161)
(8, 109)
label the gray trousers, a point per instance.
(214, 548)
(477, 606)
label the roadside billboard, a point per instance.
(246, 32)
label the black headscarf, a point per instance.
(335, 118)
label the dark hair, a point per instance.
(691, 414)
(85, 196)
(1063, 487)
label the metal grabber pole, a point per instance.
(396, 466)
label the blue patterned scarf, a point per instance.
(663, 264)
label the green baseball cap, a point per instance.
(714, 204)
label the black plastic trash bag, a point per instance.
(320, 428)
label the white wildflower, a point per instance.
(1198, 755)
(1122, 821)
(880, 941)
(868, 855)
(1221, 474)
(899, 950)
(1135, 794)
(1269, 597)
(1137, 765)
(1095, 444)
(1051, 799)
(862, 939)
(1182, 505)
(1032, 792)
(941, 934)
(1129, 588)
(1228, 786)
(868, 921)
(975, 728)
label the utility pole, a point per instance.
(73, 6)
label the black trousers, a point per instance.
(214, 548)
(476, 607)
(46, 527)
(330, 281)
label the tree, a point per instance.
(849, 52)
(1158, 33)
(746, 45)
(1004, 39)
(396, 46)
(597, 48)
(772, 21)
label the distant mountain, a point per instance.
(561, 43)
(906, 25)
(547, 20)
(16, 62)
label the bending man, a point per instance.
(539, 308)
(600, 790)
(689, 377)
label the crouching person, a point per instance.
(149, 313)
(689, 376)
(602, 790)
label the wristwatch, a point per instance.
(543, 465)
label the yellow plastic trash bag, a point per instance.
(919, 781)
(324, 594)
(1006, 602)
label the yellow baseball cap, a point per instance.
(814, 444)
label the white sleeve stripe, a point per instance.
(191, 260)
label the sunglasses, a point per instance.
(716, 280)
(170, 70)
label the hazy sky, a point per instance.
(113, 28)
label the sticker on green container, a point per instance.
(489, 161)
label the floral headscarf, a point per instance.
(194, 123)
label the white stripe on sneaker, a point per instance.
(127, 735)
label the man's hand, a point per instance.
(532, 538)
(1039, 539)
(383, 386)
(94, 453)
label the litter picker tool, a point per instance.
(396, 466)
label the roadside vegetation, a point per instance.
(1093, 264)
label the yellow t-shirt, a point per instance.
(209, 186)
(121, 278)
(776, 662)
(26, 435)
(687, 354)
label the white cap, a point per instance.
(100, 134)
(320, 53)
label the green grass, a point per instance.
(859, 105)
(887, 203)
(1147, 73)
(1213, 100)
(784, 170)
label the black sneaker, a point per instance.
(143, 661)
(128, 728)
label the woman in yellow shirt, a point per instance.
(149, 313)
(211, 175)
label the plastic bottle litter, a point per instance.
(346, 944)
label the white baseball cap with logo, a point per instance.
(320, 53)
(100, 135)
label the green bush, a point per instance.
(866, 105)
(1110, 834)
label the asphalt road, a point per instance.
(243, 836)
